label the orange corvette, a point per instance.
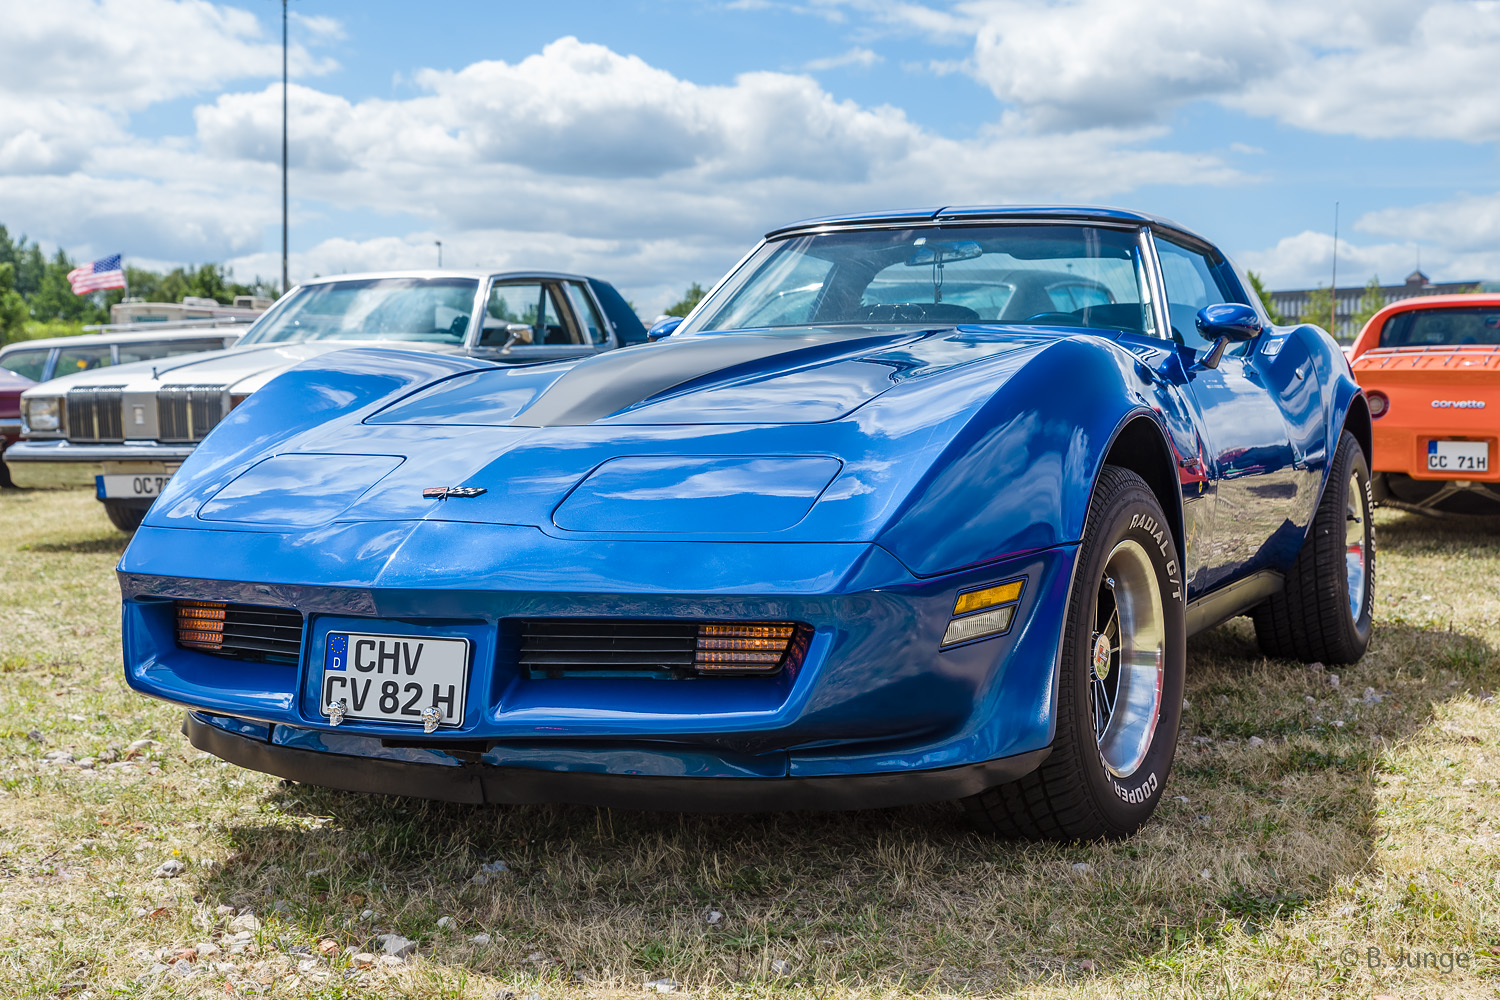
(1431, 369)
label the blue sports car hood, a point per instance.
(802, 376)
(806, 435)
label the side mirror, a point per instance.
(663, 328)
(1229, 320)
(519, 333)
(1221, 323)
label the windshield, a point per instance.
(1442, 327)
(431, 310)
(1067, 275)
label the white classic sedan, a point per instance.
(125, 429)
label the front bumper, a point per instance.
(477, 782)
(52, 464)
(874, 695)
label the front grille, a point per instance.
(96, 413)
(188, 412)
(558, 647)
(240, 631)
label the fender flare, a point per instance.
(1020, 474)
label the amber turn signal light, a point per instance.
(200, 625)
(749, 648)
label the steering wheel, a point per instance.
(458, 326)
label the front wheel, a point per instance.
(1120, 681)
(1323, 614)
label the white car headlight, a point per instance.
(43, 414)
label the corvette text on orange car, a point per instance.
(1431, 369)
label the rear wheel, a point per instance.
(1120, 683)
(1323, 614)
(125, 514)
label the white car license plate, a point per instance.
(1458, 456)
(129, 486)
(394, 678)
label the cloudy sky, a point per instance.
(650, 143)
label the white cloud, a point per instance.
(577, 156)
(1467, 224)
(1455, 240)
(129, 54)
(1087, 62)
(71, 71)
(1371, 68)
(1306, 261)
(857, 56)
(319, 25)
(580, 111)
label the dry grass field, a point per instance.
(1317, 839)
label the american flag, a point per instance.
(106, 272)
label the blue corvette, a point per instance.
(913, 506)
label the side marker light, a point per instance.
(982, 613)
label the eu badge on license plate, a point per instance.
(394, 678)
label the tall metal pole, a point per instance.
(284, 283)
(440, 251)
(1333, 317)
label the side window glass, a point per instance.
(583, 307)
(1192, 282)
(81, 359)
(29, 364)
(530, 302)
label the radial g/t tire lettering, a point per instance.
(1119, 685)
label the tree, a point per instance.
(1319, 308)
(41, 282)
(1370, 303)
(54, 299)
(1265, 298)
(690, 298)
(13, 311)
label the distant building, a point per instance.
(246, 307)
(1293, 304)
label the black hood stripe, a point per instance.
(608, 383)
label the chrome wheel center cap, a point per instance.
(1101, 656)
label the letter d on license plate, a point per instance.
(394, 678)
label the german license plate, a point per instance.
(131, 486)
(394, 678)
(1458, 456)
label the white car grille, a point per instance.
(188, 412)
(94, 414)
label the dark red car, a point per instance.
(11, 387)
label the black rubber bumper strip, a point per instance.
(486, 783)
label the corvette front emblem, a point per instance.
(452, 492)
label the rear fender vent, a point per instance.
(240, 631)
(564, 647)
